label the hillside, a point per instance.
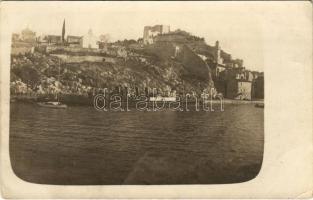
(154, 67)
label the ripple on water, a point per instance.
(80, 145)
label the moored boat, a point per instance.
(52, 104)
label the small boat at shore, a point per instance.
(163, 99)
(52, 104)
(259, 105)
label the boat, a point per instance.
(259, 105)
(52, 104)
(164, 99)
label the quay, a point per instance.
(83, 100)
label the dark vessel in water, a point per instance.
(52, 104)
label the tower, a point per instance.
(217, 52)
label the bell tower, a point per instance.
(218, 52)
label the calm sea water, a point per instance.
(80, 145)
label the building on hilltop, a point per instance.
(217, 53)
(221, 61)
(24, 42)
(90, 40)
(28, 36)
(176, 36)
(74, 41)
(230, 76)
(150, 32)
(53, 39)
(61, 40)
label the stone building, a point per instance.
(217, 53)
(90, 40)
(53, 39)
(28, 36)
(150, 32)
(234, 83)
(229, 75)
(258, 87)
(239, 89)
(23, 43)
(74, 41)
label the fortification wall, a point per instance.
(87, 58)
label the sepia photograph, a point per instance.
(156, 99)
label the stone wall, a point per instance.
(52, 49)
(258, 88)
(79, 59)
(171, 38)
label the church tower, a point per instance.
(218, 52)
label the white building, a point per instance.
(90, 40)
(150, 32)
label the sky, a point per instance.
(238, 26)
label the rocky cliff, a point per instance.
(168, 67)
